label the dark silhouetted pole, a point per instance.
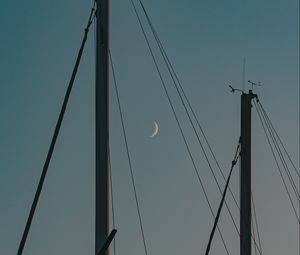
(245, 180)
(101, 104)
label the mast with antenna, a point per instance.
(245, 179)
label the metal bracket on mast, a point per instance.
(107, 242)
(234, 89)
(255, 84)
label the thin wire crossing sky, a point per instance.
(206, 42)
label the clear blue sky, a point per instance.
(207, 41)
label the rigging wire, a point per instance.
(171, 72)
(176, 81)
(253, 231)
(298, 63)
(276, 161)
(287, 171)
(177, 120)
(285, 167)
(289, 158)
(256, 222)
(174, 74)
(279, 139)
(128, 155)
(112, 196)
(55, 135)
(272, 130)
(236, 156)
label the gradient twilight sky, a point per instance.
(207, 41)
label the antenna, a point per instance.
(244, 73)
(255, 84)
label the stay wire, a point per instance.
(256, 222)
(237, 154)
(272, 131)
(187, 112)
(112, 196)
(173, 74)
(277, 164)
(253, 233)
(177, 120)
(287, 171)
(285, 167)
(285, 150)
(279, 139)
(265, 128)
(128, 156)
(164, 53)
(55, 135)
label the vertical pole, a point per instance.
(245, 179)
(101, 124)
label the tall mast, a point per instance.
(101, 122)
(245, 179)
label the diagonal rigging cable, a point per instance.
(112, 197)
(285, 167)
(182, 96)
(287, 154)
(236, 156)
(256, 222)
(128, 156)
(265, 128)
(55, 135)
(175, 80)
(276, 161)
(174, 76)
(253, 233)
(279, 139)
(275, 135)
(177, 120)
(287, 171)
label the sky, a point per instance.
(207, 42)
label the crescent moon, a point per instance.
(155, 131)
